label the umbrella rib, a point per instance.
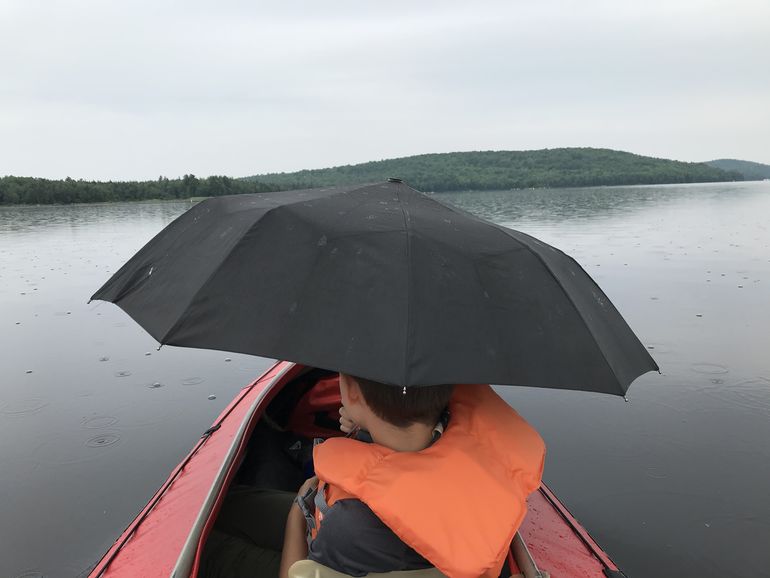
(407, 340)
(539, 257)
(571, 301)
(178, 323)
(180, 319)
(497, 330)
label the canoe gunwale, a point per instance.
(579, 529)
(273, 373)
(189, 557)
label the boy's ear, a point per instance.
(350, 385)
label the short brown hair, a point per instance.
(418, 405)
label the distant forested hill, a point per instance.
(489, 170)
(750, 171)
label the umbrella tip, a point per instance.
(395, 180)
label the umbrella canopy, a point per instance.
(381, 282)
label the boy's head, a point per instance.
(389, 403)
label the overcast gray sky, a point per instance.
(100, 89)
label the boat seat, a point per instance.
(311, 569)
(525, 565)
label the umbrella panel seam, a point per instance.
(574, 306)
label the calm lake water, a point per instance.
(676, 482)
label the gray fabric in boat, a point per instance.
(248, 535)
(228, 556)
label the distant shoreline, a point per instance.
(441, 172)
(193, 200)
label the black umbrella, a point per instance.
(382, 282)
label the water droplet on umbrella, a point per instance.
(28, 371)
(322, 241)
(192, 381)
(155, 385)
(105, 358)
(654, 472)
(212, 396)
(147, 353)
(228, 359)
(124, 373)
(699, 315)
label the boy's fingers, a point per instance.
(346, 424)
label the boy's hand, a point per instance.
(346, 424)
(309, 483)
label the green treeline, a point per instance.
(32, 191)
(501, 170)
(750, 171)
(483, 170)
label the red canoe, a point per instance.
(167, 537)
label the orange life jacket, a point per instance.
(459, 502)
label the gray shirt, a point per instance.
(354, 541)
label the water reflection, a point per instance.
(585, 204)
(82, 436)
(92, 417)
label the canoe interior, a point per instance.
(246, 446)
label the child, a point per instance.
(428, 490)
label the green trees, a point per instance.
(32, 191)
(478, 170)
(750, 171)
(489, 170)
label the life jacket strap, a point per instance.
(306, 504)
(321, 505)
